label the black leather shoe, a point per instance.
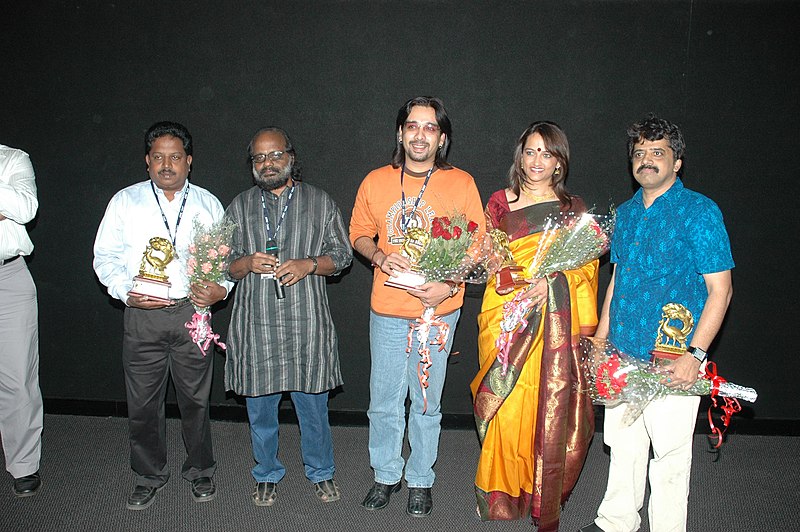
(28, 485)
(265, 494)
(142, 497)
(378, 495)
(420, 502)
(203, 489)
(591, 528)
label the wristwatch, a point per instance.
(453, 290)
(697, 353)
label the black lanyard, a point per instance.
(164, 216)
(270, 236)
(403, 222)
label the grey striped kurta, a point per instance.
(289, 344)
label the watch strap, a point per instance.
(697, 353)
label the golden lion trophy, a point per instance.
(152, 281)
(675, 326)
(510, 276)
(414, 244)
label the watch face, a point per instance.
(698, 353)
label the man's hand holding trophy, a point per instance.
(151, 287)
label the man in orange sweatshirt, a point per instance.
(417, 186)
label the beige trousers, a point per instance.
(668, 426)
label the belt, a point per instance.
(12, 259)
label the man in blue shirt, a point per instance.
(669, 246)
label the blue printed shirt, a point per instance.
(661, 254)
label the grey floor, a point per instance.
(753, 486)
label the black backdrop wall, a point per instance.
(83, 80)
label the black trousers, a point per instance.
(156, 345)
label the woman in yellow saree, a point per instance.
(535, 427)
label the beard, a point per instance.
(267, 182)
(419, 157)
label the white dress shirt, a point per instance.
(18, 202)
(133, 217)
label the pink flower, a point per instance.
(212, 253)
(224, 250)
(192, 264)
(206, 267)
(192, 248)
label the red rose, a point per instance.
(472, 227)
(436, 230)
(446, 235)
(456, 232)
(445, 220)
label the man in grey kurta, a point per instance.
(289, 236)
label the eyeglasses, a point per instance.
(427, 127)
(259, 158)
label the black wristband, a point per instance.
(697, 353)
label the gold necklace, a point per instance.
(536, 199)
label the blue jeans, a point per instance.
(393, 377)
(315, 435)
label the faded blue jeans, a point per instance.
(315, 435)
(393, 377)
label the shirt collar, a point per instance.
(177, 192)
(670, 196)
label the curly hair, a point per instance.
(654, 128)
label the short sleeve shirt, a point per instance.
(661, 254)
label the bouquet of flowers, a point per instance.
(208, 260)
(616, 378)
(568, 241)
(453, 250)
(571, 240)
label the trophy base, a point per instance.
(664, 358)
(507, 279)
(406, 280)
(156, 290)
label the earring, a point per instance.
(558, 171)
(399, 140)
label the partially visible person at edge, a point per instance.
(669, 246)
(417, 186)
(156, 344)
(21, 411)
(292, 233)
(534, 425)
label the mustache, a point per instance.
(646, 167)
(267, 169)
(166, 172)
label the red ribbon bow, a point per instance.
(728, 406)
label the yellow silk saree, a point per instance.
(535, 426)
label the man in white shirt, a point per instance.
(156, 343)
(20, 397)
